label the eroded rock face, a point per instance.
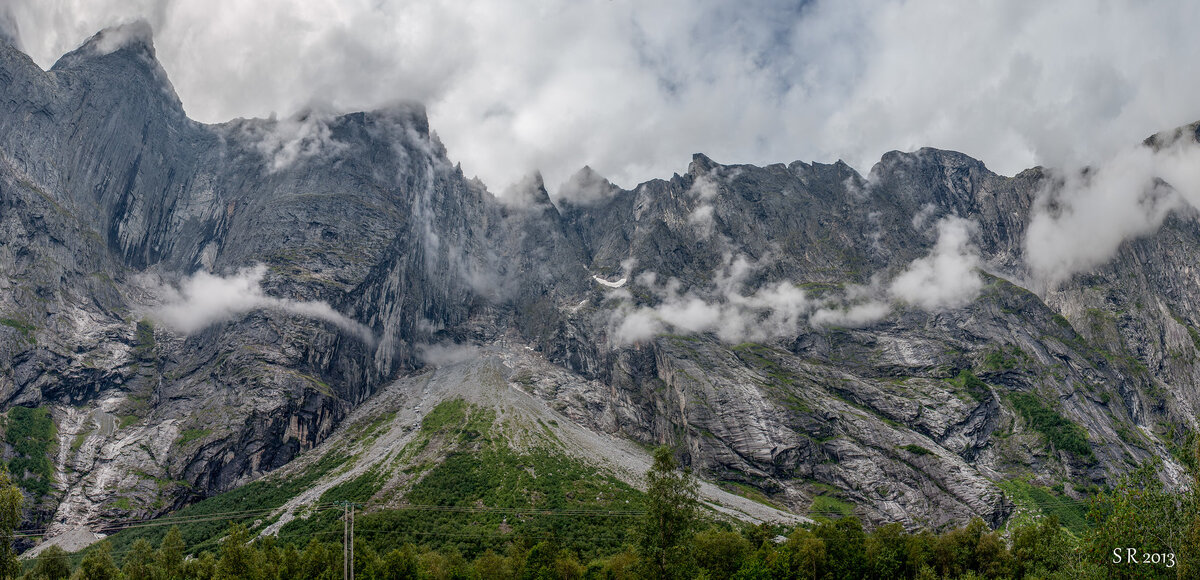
(108, 193)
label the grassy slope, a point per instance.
(489, 491)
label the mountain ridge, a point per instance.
(761, 332)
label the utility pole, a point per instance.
(348, 539)
(352, 541)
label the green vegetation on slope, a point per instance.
(1072, 514)
(145, 339)
(23, 328)
(33, 436)
(486, 493)
(972, 384)
(1058, 430)
(667, 541)
(463, 461)
(204, 522)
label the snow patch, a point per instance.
(616, 284)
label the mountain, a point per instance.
(189, 308)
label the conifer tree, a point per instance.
(671, 514)
(10, 518)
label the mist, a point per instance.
(204, 299)
(1083, 215)
(947, 277)
(632, 89)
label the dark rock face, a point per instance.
(106, 185)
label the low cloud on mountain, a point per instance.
(634, 88)
(947, 277)
(1083, 215)
(204, 299)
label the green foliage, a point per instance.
(1061, 322)
(721, 553)
(81, 436)
(10, 518)
(202, 533)
(671, 513)
(1041, 548)
(446, 414)
(1005, 358)
(98, 564)
(139, 561)
(23, 328)
(169, 557)
(916, 449)
(53, 563)
(1141, 514)
(524, 489)
(489, 494)
(1058, 430)
(1070, 513)
(1138, 514)
(359, 489)
(189, 435)
(972, 384)
(749, 492)
(33, 436)
(502, 513)
(238, 560)
(829, 506)
(1181, 450)
(887, 551)
(845, 544)
(145, 339)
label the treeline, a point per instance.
(1138, 520)
(839, 549)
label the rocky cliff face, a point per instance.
(751, 317)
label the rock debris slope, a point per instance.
(772, 327)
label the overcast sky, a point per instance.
(633, 88)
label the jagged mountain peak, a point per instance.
(113, 58)
(586, 187)
(701, 164)
(1164, 139)
(927, 156)
(529, 192)
(135, 37)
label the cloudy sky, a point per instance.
(633, 88)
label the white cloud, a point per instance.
(283, 142)
(447, 353)
(633, 88)
(528, 193)
(921, 217)
(116, 38)
(585, 187)
(203, 299)
(947, 277)
(701, 220)
(705, 187)
(851, 316)
(1081, 219)
(722, 308)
